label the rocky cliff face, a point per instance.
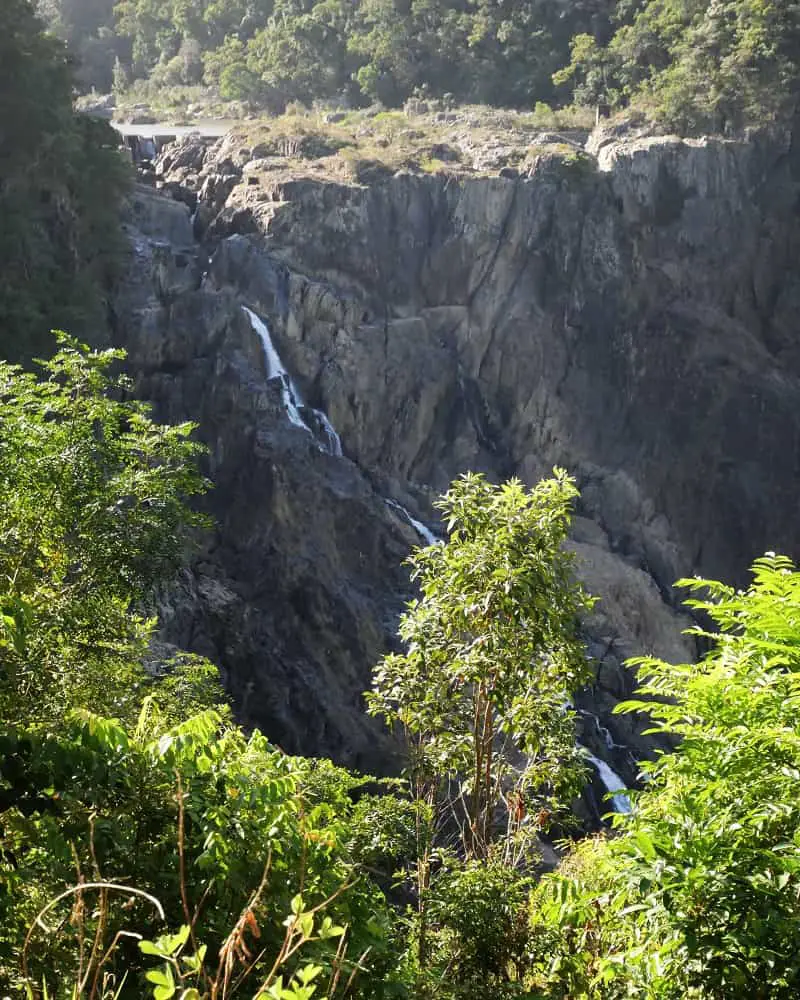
(629, 314)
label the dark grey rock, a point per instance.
(631, 317)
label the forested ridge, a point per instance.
(695, 64)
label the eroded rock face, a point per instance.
(631, 318)
(299, 584)
(622, 322)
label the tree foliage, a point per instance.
(60, 183)
(695, 65)
(211, 823)
(481, 697)
(93, 514)
(276, 51)
(698, 897)
(492, 654)
(87, 28)
(698, 65)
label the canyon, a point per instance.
(627, 312)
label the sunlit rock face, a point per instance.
(631, 317)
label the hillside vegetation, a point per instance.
(694, 64)
(60, 183)
(150, 847)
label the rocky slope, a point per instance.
(628, 313)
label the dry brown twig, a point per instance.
(77, 890)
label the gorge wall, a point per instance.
(629, 314)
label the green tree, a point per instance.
(381, 50)
(93, 514)
(150, 27)
(492, 655)
(481, 698)
(301, 53)
(61, 179)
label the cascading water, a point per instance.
(275, 369)
(322, 431)
(422, 530)
(612, 781)
(614, 784)
(602, 731)
(315, 422)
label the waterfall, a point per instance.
(315, 422)
(323, 431)
(612, 781)
(602, 731)
(421, 529)
(614, 784)
(275, 369)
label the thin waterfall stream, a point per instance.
(615, 786)
(315, 422)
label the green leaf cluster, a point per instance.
(208, 821)
(698, 896)
(481, 697)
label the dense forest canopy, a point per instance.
(696, 64)
(60, 182)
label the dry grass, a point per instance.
(366, 146)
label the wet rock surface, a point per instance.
(629, 314)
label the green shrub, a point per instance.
(198, 816)
(698, 895)
(477, 919)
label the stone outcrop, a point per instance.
(628, 314)
(299, 584)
